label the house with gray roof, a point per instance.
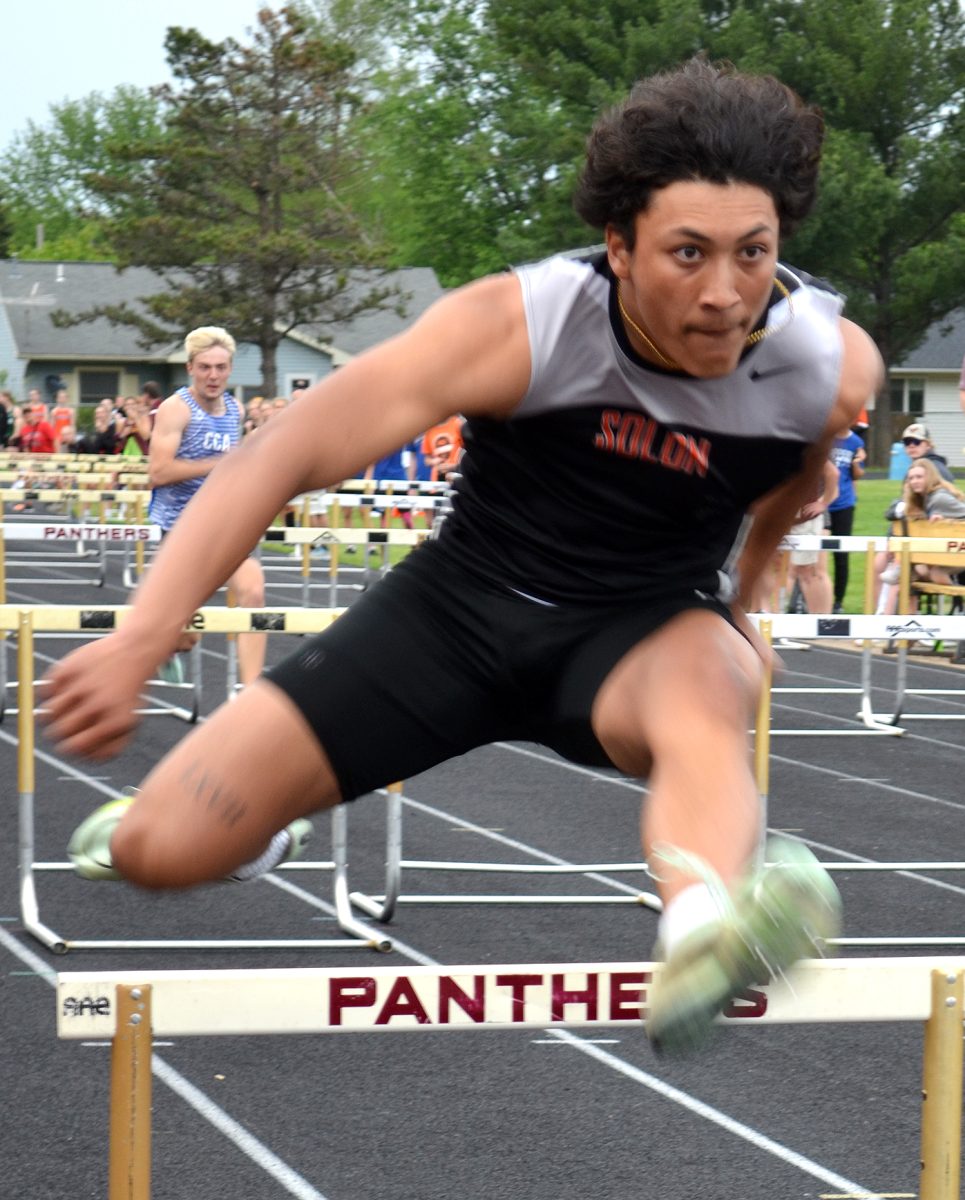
(924, 386)
(99, 359)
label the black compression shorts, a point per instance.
(430, 663)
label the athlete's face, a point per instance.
(209, 371)
(700, 273)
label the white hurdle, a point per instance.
(129, 1008)
(26, 620)
(901, 628)
(382, 907)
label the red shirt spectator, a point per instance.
(37, 435)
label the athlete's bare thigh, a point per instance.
(697, 668)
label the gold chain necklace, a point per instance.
(751, 340)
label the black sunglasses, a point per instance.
(912, 441)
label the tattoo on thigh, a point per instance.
(215, 795)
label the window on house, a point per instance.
(95, 385)
(908, 396)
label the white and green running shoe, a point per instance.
(171, 670)
(89, 848)
(784, 912)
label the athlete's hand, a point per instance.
(89, 698)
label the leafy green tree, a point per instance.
(475, 143)
(46, 171)
(6, 229)
(460, 149)
(240, 208)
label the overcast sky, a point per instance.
(58, 50)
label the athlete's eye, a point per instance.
(754, 252)
(688, 253)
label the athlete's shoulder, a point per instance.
(794, 278)
(174, 411)
(567, 274)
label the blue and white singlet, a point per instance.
(205, 436)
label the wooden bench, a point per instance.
(918, 550)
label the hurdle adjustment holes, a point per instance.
(949, 1001)
(135, 1018)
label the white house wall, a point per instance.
(945, 419)
(9, 361)
(292, 361)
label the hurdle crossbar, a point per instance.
(53, 495)
(129, 1007)
(24, 619)
(421, 502)
(68, 532)
(382, 907)
(393, 486)
(16, 457)
(866, 629)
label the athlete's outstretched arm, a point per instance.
(468, 354)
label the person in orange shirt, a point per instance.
(62, 416)
(442, 446)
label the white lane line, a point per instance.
(69, 772)
(522, 847)
(284, 1175)
(754, 1137)
(872, 783)
(288, 1178)
(714, 1115)
(639, 788)
(590, 1046)
(600, 776)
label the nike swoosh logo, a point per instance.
(755, 374)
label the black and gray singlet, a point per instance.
(615, 479)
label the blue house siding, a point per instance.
(292, 361)
(32, 347)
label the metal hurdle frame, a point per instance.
(893, 628)
(132, 1007)
(334, 539)
(80, 534)
(26, 621)
(382, 907)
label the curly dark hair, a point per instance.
(703, 121)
